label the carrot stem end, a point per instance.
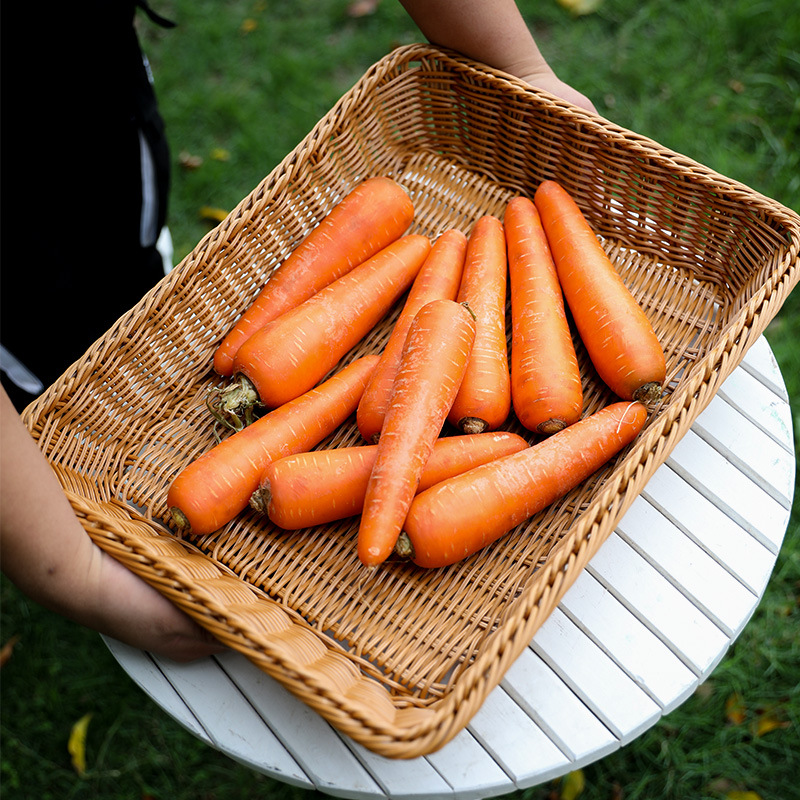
(404, 547)
(648, 393)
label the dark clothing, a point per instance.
(85, 177)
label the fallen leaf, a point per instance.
(572, 785)
(213, 214)
(188, 161)
(735, 709)
(77, 744)
(362, 8)
(739, 795)
(580, 8)
(248, 25)
(769, 719)
(8, 649)
(719, 785)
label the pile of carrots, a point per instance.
(422, 495)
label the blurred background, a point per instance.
(240, 83)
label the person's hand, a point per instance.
(494, 32)
(135, 613)
(547, 80)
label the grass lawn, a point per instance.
(241, 82)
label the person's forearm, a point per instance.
(43, 548)
(491, 31)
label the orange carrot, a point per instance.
(295, 351)
(546, 388)
(431, 369)
(214, 488)
(321, 486)
(615, 330)
(439, 278)
(369, 218)
(459, 516)
(484, 400)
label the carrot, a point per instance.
(439, 277)
(484, 400)
(431, 369)
(617, 334)
(370, 217)
(321, 486)
(459, 516)
(295, 351)
(546, 390)
(214, 488)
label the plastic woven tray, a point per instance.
(401, 661)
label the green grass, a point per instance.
(718, 82)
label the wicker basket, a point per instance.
(401, 661)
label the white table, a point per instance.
(643, 625)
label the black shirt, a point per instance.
(78, 111)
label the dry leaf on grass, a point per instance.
(572, 784)
(77, 743)
(362, 8)
(7, 650)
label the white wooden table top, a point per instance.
(644, 624)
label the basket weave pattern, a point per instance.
(402, 659)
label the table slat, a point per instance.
(232, 724)
(142, 669)
(735, 548)
(750, 448)
(766, 410)
(403, 779)
(516, 742)
(720, 595)
(611, 694)
(733, 491)
(469, 768)
(319, 751)
(571, 725)
(659, 604)
(760, 362)
(631, 644)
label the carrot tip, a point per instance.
(551, 426)
(179, 520)
(470, 425)
(404, 548)
(648, 393)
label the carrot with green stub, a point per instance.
(546, 389)
(439, 278)
(431, 369)
(370, 217)
(211, 490)
(295, 351)
(321, 486)
(461, 515)
(483, 402)
(617, 334)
